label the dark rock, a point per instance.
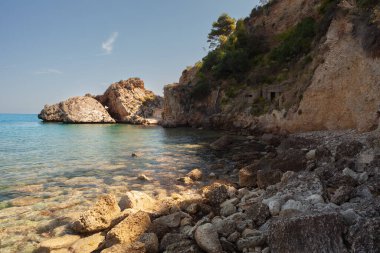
(171, 238)
(313, 233)
(268, 177)
(342, 194)
(364, 236)
(216, 193)
(222, 143)
(348, 149)
(258, 213)
(290, 160)
(248, 176)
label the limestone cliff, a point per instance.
(333, 85)
(126, 101)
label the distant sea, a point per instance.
(46, 165)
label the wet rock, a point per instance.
(143, 177)
(342, 194)
(99, 216)
(138, 201)
(87, 244)
(58, 243)
(192, 208)
(136, 247)
(266, 178)
(318, 233)
(185, 180)
(150, 241)
(248, 176)
(129, 229)
(222, 143)
(216, 193)
(195, 174)
(207, 238)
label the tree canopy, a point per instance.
(221, 29)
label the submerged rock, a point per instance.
(76, 110)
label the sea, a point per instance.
(53, 171)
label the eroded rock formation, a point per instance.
(76, 110)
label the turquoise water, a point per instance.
(43, 165)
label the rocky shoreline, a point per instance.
(311, 192)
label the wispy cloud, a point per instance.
(48, 71)
(107, 46)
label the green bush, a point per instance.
(295, 42)
(366, 3)
(201, 90)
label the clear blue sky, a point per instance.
(55, 49)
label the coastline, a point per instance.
(309, 185)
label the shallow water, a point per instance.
(49, 171)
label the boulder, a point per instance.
(76, 110)
(99, 216)
(290, 160)
(137, 200)
(129, 230)
(312, 233)
(129, 102)
(207, 238)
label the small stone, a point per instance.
(207, 238)
(363, 177)
(274, 207)
(195, 174)
(351, 173)
(251, 242)
(311, 154)
(234, 237)
(192, 208)
(212, 175)
(291, 204)
(266, 250)
(143, 177)
(227, 210)
(315, 199)
(342, 194)
(350, 216)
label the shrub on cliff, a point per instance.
(295, 42)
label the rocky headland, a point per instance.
(308, 65)
(126, 101)
(313, 192)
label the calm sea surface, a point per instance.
(47, 170)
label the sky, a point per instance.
(53, 50)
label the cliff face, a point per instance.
(126, 101)
(334, 86)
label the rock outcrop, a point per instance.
(76, 110)
(129, 102)
(126, 101)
